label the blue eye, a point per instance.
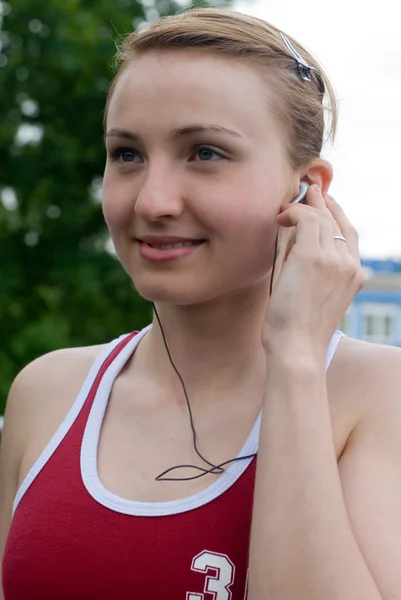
(127, 155)
(124, 155)
(206, 154)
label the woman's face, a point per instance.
(193, 153)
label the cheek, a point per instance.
(115, 205)
(248, 225)
(249, 211)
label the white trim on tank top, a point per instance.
(90, 442)
(68, 421)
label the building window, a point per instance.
(370, 325)
(389, 323)
(379, 323)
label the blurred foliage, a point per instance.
(59, 286)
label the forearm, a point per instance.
(302, 546)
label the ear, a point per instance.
(319, 171)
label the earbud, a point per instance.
(303, 188)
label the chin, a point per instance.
(178, 294)
(172, 297)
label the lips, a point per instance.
(163, 240)
(163, 249)
(175, 245)
(167, 242)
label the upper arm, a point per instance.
(370, 471)
(32, 416)
(12, 444)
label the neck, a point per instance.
(216, 346)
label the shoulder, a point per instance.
(42, 381)
(366, 353)
(52, 369)
(370, 464)
(39, 399)
(370, 374)
(364, 384)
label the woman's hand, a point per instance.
(319, 278)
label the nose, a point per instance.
(159, 196)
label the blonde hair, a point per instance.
(298, 104)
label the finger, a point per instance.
(306, 221)
(342, 248)
(328, 230)
(346, 228)
(315, 199)
(329, 227)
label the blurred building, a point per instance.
(375, 313)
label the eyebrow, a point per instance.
(176, 133)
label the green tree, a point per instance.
(59, 286)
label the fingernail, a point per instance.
(316, 188)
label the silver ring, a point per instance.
(340, 237)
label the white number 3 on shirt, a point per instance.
(219, 571)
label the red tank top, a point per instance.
(72, 539)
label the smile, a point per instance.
(177, 245)
(161, 253)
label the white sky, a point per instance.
(359, 44)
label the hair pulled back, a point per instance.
(299, 105)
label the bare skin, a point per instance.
(165, 420)
(32, 418)
(213, 307)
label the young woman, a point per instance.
(129, 470)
